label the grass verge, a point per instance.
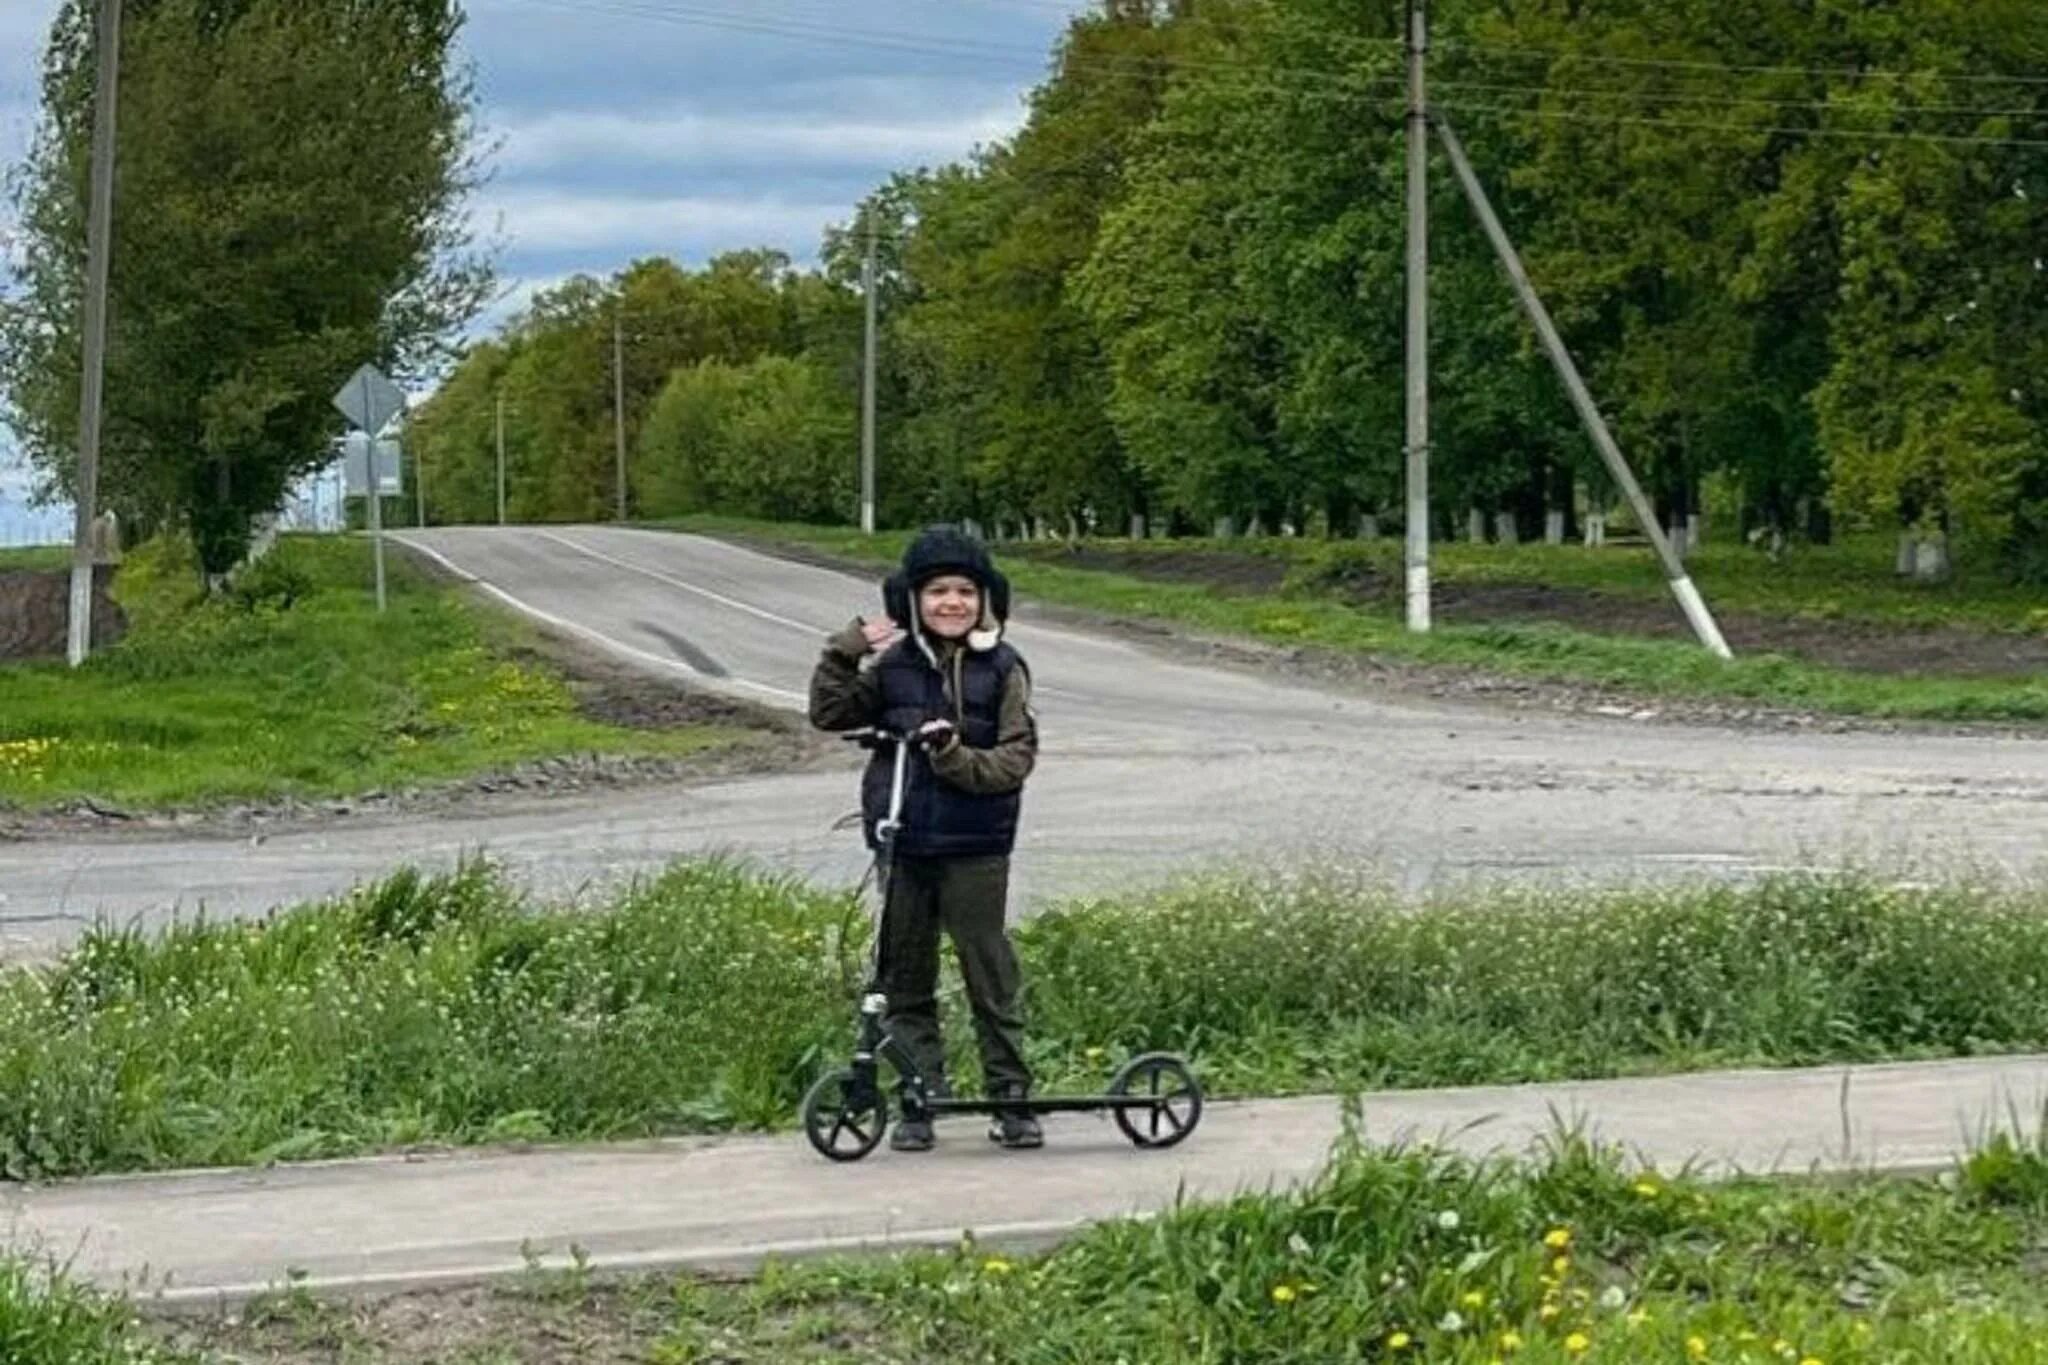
(42, 558)
(47, 1320)
(444, 1010)
(1306, 611)
(1403, 1256)
(291, 685)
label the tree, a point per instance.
(291, 181)
(769, 438)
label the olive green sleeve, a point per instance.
(845, 696)
(1003, 768)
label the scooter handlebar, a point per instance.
(875, 737)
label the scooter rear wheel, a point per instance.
(844, 1116)
(1175, 1094)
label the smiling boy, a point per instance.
(939, 668)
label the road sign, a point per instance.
(355, 467)
(370, 399)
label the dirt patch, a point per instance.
(35, 612)
(593, 1326)
(1859, 646)
(553, 1319)
(1235, 573)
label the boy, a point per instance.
(940, 670)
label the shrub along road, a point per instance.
(1153, 765)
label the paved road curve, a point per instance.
(1151, 767)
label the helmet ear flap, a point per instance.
(896, 599)
(998, 595)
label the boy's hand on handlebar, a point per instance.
(936, 736)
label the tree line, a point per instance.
(1796, 247)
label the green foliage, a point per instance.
(768, 439)
(46, 1319)
(255, 261)
(1421, 1255)
(445, 1009)
(553, 372)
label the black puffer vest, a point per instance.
(940, 820)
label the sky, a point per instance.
(628, 128)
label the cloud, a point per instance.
(680, 137)
(539, 221)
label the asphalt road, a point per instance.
(1152, 767)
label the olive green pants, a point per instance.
(965, 897)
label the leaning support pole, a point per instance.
(1682, 586)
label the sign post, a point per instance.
(370, 400)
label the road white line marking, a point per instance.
(796, 699)
(1048, 692)
(675, 582)
(1048, 632)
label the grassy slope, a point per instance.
(1838, 587)
(224, 700)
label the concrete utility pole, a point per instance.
(419, 489)
(501, 457)
(867, 392)
(1417, 436)
(619, 403)
(98, 251)
(1682, 587)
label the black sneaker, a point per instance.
(912, 1135)
(1015, 1128)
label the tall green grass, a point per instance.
(45, 1319)
(1421, 1256)
(444, 1009)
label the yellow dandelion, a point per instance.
(1283, 1293)
(1510, 1342)
(1811, 1360)
(1578, 1343)
(1472, 1298)
(1639, 1317)
(1561, 1266)
(1648, 1189)
(1548, 1312)
(996, 1265)
(1557, 1239)
(1696, 1347)
(1399, 1341)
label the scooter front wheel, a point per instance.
(1175, 1095)
(845, 1116)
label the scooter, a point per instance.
(1154, 1098)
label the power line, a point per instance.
(1258, 78)
(1736, 101)
(806, 30)
(1868, 134)
(1676, 64)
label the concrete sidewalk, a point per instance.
(726, 1204)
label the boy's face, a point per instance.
(949, 606)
